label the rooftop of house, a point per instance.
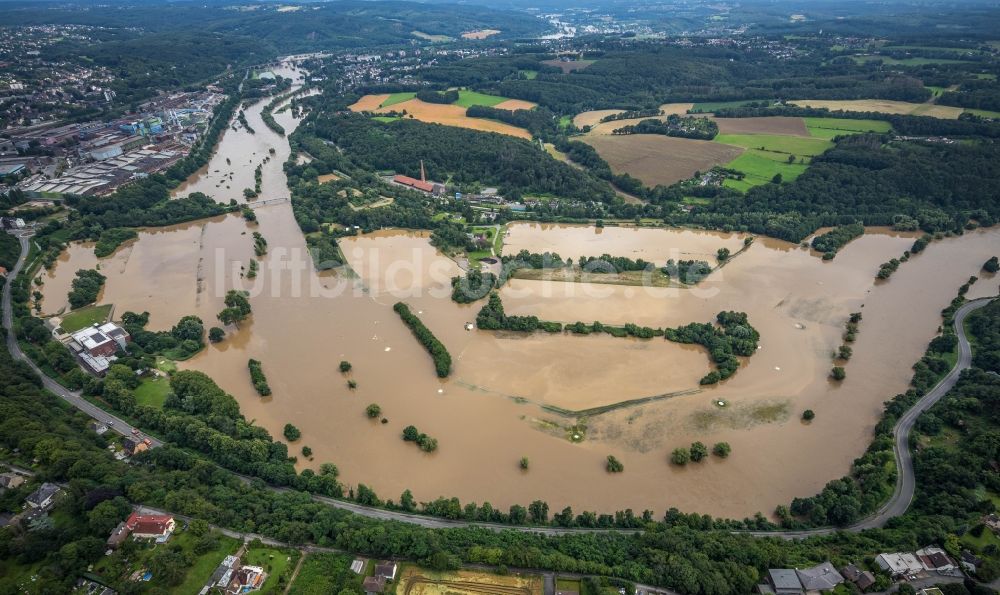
(45, 492)
(149, 524)
(821, 577)
(784, 579)
(373, 584)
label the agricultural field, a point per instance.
(571, 66)
(326, 178)
(711, 106)
(446, 114)
(593, 117)
(369, 103)
(760, 167)
(452, 115)
(468, 98)
(830, 128)
(400, 97)
(657, 159)
(779, 125)
(431, 38)
(883, 105)
(768, 155)
(480, 34)
(776, 143)
(414, 580)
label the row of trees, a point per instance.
(258, 378)
(439, 353)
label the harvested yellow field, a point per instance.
(606, 128)
(421, 581)
(593, 117)
(327, 178)
(481, 34)
(452, 115)
(657, 159)
(515, 104)
(368, 103)
(679, 109)
(885, 106)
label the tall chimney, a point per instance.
(423, 174)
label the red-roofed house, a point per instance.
(150, 526)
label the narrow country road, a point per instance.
(895, 506)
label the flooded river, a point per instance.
(488, 413)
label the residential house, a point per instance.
(42, 497)
(862, 579)
(970, 562)
(247, 578)
(151, 526)
(223, 574)
(98, 427)
(133, 446)
(781, 581)
(118, 536)
(992, 521)
(823, 577)
(386, 570)
(935, 558)
(899, 564)
(9, 481)
(373, 585)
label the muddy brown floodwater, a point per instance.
(488, 414)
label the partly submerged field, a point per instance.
(657, 159)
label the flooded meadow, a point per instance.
(513, 395)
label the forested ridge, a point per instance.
(644, 75)
(940, 186)
(462, 156)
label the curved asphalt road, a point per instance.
(73, 398)
(895, 506)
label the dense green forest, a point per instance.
(940, 186)
(461, 156)
(631, 75)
